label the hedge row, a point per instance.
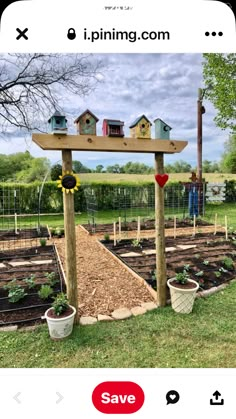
(97, 195)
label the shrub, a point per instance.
(45, 292)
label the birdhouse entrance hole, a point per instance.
(87, 121)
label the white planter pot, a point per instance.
(61, 327)
(182, 299)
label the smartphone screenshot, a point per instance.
(117, 209)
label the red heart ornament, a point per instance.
(162, 179)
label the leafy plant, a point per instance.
(217, 274)
(16, 293)
(200, 273)
(60, 304)
(186, 267)
(30, 282)
(136, 243)
(43, 242)
(106, 237)
(182, 277)
(52, 278)
(205, 262)
(45, 292)
(228, 262)
(10, 285)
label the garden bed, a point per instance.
(26, 233)
(144, 225)
(23, 272)
(208, 258)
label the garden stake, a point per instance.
(215, 224)
(119, 228)
(138, 230)
(226, 227)
(114, 233)
(174, 227)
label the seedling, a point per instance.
(30, 282)
(52, 278)
(136, 243)
(217, 274)
(45, 292)
(106, 237)
(200, 273)
(228, 262)
(187, 267)
(205, 262)
(43, 242)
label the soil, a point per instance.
(186, 286)
(66, 313)
(31, 306)
(23, 234)
(144, 225)
(204, 263)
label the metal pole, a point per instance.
(199, 135)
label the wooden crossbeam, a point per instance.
(96, 143)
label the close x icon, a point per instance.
(22, 33)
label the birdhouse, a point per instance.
(113, 128)
(58, 123)
(141, 128)
(162, 130)
(86, 123)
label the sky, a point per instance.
(161, 86)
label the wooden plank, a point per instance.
(70, 239)
(95, 143)
(160, 234)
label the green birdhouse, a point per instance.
(86, 123)
(162, 130)
(58, 123)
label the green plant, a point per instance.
(228, 262)
(182, 277)
(30, 282)
(106, 237)
(10, 285)
(197, 256)
(200, 273)
(43, 242)
(205, 262)
(187, 267)
(45, 292)
(52, 278)
(16, 293)
(136, 243)
(217, 274)
(60, 304)
(52, 231)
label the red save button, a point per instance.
(118, 397)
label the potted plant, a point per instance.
(60, 317)
(182, 292)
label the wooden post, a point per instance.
(70, 239)
(119, 228)
(138, 229)
(114, 233)
(215, 224)
(175, 227)
(226, 227)
(160, 234)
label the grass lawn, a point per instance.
(162, 338)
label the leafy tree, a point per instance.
(56, 171)
(78, 167)
(115, 168)
(31, 85)
(39, 167)
(136, 167)
(228, 161)
(210, 167)
(99, 168)
(219, 75)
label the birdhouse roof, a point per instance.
(82, 114)
(138, 119)
(114, 122)
(55, 115)
(164, 123)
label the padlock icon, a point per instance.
(71, 34)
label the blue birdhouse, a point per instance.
(58, 123)
(162, 130)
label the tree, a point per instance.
(115, 168)
(219, 75)
(78, 167)
(56, 171)
(99, 168)
(32, 84)
(39, 167)
(228, 161)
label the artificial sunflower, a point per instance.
(69, 182)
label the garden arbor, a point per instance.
(67, 143)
